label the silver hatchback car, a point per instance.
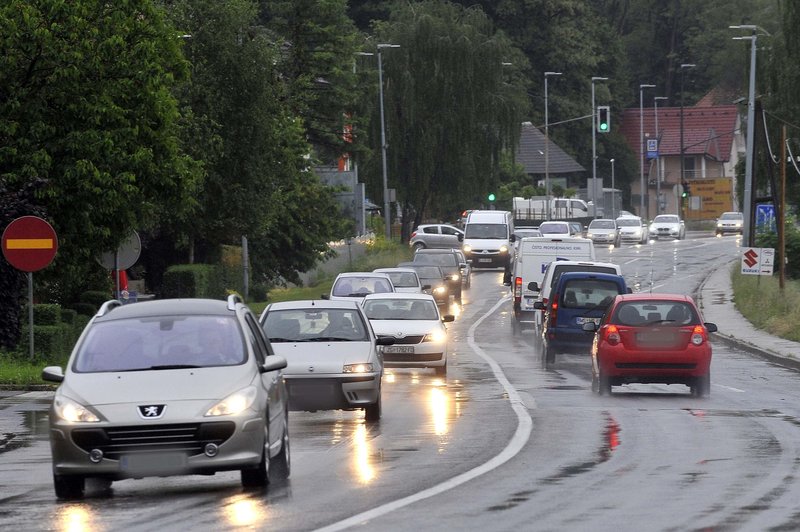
(170, 387)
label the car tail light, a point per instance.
(413, 234)
(554, 311)
(517, 289)
(612, 335)
(698, 335)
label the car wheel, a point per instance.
(441, 371)
(372, 413)
(258, 476)
(603, 384)
(702, 386)
(595, 383)
(281, 465)
(469, 281)
(514, 326)
(549, 355)
(69, 486)
(418, 246)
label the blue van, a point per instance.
(576, 298)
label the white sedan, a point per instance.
(667, 225)
(415, 325)
(331, 352)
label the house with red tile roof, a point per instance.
(712, 145)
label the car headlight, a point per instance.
(467, 248)
(235, 403)
(439, 290)
(436, 337)
(503, 249)
(74, 412)
(357, 368)
(455, 277)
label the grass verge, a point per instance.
(760, 300)
(18, 373)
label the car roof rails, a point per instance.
(233, 299)
(108, 306)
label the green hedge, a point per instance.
(193, 280)
(95, 297)
(84, 309)
(50, 342)
(47, 314)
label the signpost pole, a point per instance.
(30, 313)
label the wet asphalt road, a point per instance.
(649, 457)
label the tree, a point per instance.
(451, 106)
(86, 106)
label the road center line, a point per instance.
(518, 440)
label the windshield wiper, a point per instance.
(330, 339)
(175, 366)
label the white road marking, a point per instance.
(737, 390)
(518, 440)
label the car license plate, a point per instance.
(656, 338)
(399, 349)
(582, 320)
(484, 260)
(152, 462)
(529, 301)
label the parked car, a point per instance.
(405, 280)
(603, 231)
(667, 225)
(356, 285)
(332, 355)
(169, 387)
(577, 298)
(450, 263)
(651, 338)
(556, 228)
(730, 222)
(418, 330)
(632, 229)
(433, 279)
(436, 236)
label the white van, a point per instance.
(488, 240)
(533, 256)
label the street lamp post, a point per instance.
(747, 237)
(613, 193)
(658, 156)
(684, 66)
(594, 148)
(641, 148)
(547, 146)
(386, 214)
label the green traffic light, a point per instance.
(604, 127)
(491, 197)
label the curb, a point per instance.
(737, 343)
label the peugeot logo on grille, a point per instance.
(311, 369)
(151, 411)
(401, 334)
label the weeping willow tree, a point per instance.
(454, 98)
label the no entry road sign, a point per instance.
(29, 243)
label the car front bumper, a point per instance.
(332, 392)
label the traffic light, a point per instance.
(491, 196)
(686, 190)
(603, 119)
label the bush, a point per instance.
(50, 342)
(95, 297)
(85, 309)
(47, 314)
(192, 280)
(792, 239)
(68, 316)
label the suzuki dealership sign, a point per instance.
(758, 261)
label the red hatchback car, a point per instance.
(651, 338)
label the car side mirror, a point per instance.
(385, 340)
(711, 327)
(273, 363)
(462, 265)
(53, 374)
(447, 318)
(538, 305)
(533, 286)
(426, 287)
(590, 326)
(513, 238)
(324, 296)
(460, 237)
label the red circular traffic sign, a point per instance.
(29, 243)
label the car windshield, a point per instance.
(554, 229)
(440, 259)
(589, 293)
(602, 224)
(403, 279)
(522, 233)
(565, 268)
(666, 219)
(360, 286)
(161, 342)
(655, 312)
(488, 231)
(731, 216)
(400, 309)
(428, 271)
(629, 222)
(316, 324)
